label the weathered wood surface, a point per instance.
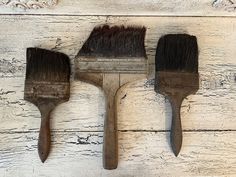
(68, 33)
(213, 106)
(139, 108)
(141, 154)
(28, 4)
(208, 118)
(121, 7)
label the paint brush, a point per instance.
(177, 76)
(108, 53)
(46, 86)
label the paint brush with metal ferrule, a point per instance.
(108, 53)
(46, 85)
(177, 76)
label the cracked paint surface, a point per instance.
(227, 5)
(28, 4)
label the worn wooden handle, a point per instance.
(176, 128)
(110, 144)
(44, 140)
(176, 86)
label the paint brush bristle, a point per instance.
(45, 65)
(177, 52)
(116, 41)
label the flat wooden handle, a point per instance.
(176, 128)
(110, 144)
(44, 140)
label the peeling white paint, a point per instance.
(28, 4)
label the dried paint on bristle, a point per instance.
(177, 52)
(116, 41)
(45, 65)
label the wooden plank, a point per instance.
(28, 4)
(212, 104)
(67, 34)
(213, 107)
(74, 114)
(121, 7)
(140, 154)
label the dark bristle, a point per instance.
(177, 52)
(116, 41)
(45, 65)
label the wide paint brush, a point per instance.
(46, 86)
(177, 76)
(108, 53)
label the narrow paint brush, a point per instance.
(107, 53)
(177, 76)
(46, 86)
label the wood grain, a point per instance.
(67, 34)
(111, 83)
(140, 154)
(208, 117)
(116, 65)
(212, 108)
(28, 4)
(121, 7)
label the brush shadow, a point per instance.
(84, 111)
(121, 95)
(168, 119)
(168, 116)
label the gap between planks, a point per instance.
(133, 131)
(125, 16)
(130, 8)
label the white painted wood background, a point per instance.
(208, 118)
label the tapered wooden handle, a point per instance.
(176, 86)
(44, 140)
(176, 127)
(110, 144)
